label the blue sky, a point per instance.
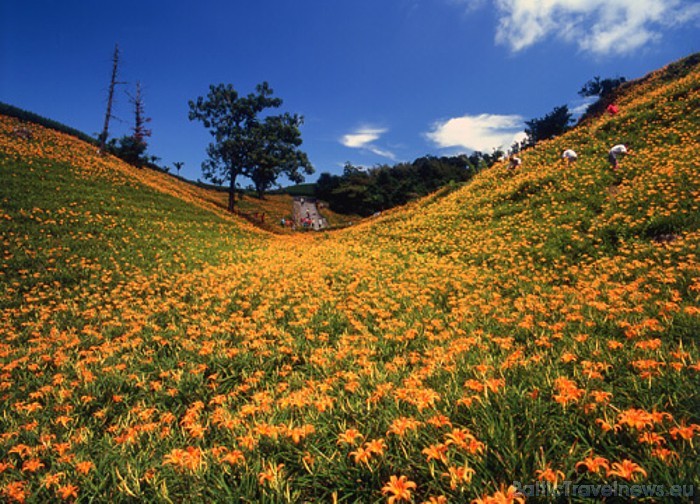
(377, 81)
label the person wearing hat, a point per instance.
(616, 152)
(569, 156)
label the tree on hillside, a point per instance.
(240, 136)
(102, 138)
(140, 119)
(553, 124)
(277, 152)
(128, 149)
(132, 148)
(600, 87)
(178, 166)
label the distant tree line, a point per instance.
(366, 191)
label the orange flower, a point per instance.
(32, 465)
(440, 499)
(234, 457)
(605, 425)
(309, 460)
(593, 464)
(626, 470)
(614, 345)
(465, 440)
(439, 421)
(361, 455)
(189, 459)
(685, 432)
(84, 467)
(399, 488)
(568, 391)
(376, 446)
(53, 479)
(600, 396)
(635, 418)
(474, 385)
(403, 424)
(15, 491)
(68, 491)
(459, 475)
(511, 495)
(567, 357)
(349, 437)
(651, 438)
(271, 474)
(550, 475)
(664, 454)
(436, 452)
(298, 433)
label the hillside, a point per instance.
(532, 326)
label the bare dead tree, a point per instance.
(110, 98)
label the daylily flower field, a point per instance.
(536, 325)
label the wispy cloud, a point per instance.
(483, 132)
(364, 138)
(580, 106)
(603, 27)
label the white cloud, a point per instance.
(363, 138)
(598, 26)
(483, 133)
(580, 106)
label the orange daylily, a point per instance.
(399, 489)
(626, 470)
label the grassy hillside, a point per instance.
(534, 326)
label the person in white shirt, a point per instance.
(515, 162)
(614, 153)
(569, 156)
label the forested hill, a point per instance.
(533, 327)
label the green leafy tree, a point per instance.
(128, 148)
(277, 152)
(553, 124)
(241, 135)
(600, 87)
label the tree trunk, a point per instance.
(112, 84)
(232, 194)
